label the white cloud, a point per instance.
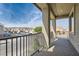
(36, 21)
(32, 16)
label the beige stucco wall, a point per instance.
(74, 39)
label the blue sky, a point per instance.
(20, 14)
(62, 23)
(23, 15)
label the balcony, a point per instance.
(35, 45)
(47, 43)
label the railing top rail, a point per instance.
(18, 36)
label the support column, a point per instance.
(70, 24)
(46, 25)
(54, 27)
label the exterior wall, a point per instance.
(75, 38)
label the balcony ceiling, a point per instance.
(58, 10)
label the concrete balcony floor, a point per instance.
(61, 47)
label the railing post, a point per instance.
(23, 45)
(11, 47)
(6, 48)
(16, 46)
(26, 45)
(20, 46)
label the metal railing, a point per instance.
(21, 45)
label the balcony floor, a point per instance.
(61, 47)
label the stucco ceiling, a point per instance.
(59, 9)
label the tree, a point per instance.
(38, 29)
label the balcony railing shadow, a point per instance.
(61, 47)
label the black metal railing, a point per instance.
(21, 45)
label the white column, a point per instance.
(46, 25)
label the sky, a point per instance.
(63, 23)
(20, 15)
(23, 15)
